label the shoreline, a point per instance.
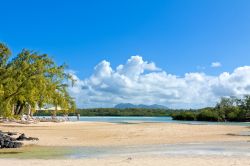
(99, 136)
(143, 119)
(103, 133)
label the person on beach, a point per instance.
(78, 117)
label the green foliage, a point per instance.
(30, 80)
(207, 115)
(228, 109)
(114, 112)
(186, 115)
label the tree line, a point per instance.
(228, 109)
(113, 112)
(30, 80)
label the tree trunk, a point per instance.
(13, 109)
(54, 112)
(17, 108)
(21, 109)
(29, 111)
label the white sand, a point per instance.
(142, 161)
(106, 134)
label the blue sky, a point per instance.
(179, 36)
(176, 35)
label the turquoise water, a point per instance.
(201, 149)
(124, 119)
(139, 119)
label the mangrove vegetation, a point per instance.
(228, 109)
(113, 112)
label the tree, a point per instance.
(245, 107)
(30, 80)
(4, 74)
(226, 106)
(207, 115)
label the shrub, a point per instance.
(184, 116)
(208, 115)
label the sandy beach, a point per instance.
(112, 134)
(100, 134)
(142, 161)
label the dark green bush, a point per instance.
(184, 116)
(207, 115)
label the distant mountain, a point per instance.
(129, 105)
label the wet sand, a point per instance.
(112, 134)
(100, 134)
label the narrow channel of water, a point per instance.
(218, 149)
(241, 149)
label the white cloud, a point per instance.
(216, 64)
(135, 66)
(141, 82)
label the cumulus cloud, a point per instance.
(141, 82)
(216, 64)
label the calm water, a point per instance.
(199, 149)
(138, 119)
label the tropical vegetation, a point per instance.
(228, 109)
(113, 112)
(30, 80)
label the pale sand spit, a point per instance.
(111, 134)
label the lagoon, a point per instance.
(141, 119)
